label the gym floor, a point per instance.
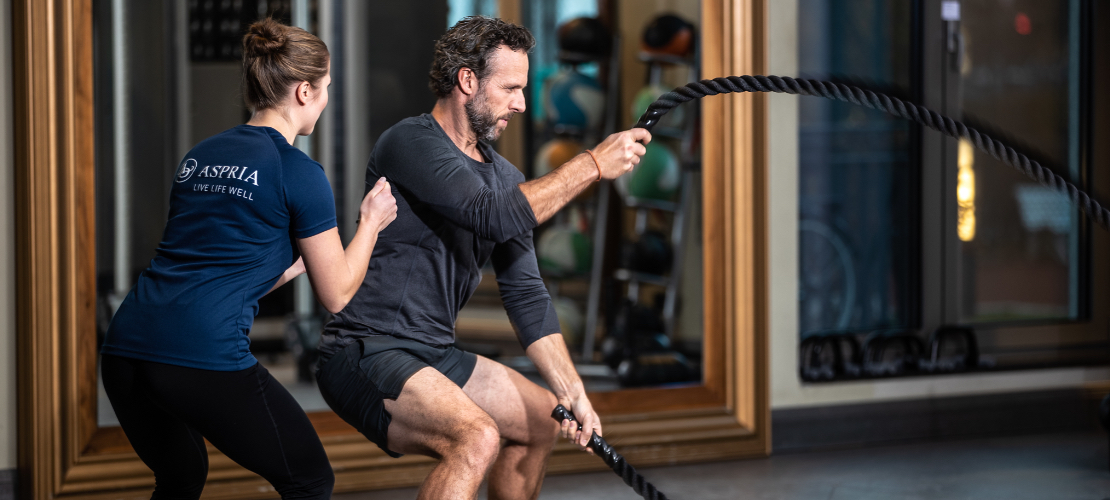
(1062, 466)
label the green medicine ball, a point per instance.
(657, 175)
(564, 251)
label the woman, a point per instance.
(176, 362)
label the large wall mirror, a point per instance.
(658, 278)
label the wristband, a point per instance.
(598, 165)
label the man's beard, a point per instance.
(481, 118)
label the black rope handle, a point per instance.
(874, 100)
(613, 459)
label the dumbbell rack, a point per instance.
(687, 181)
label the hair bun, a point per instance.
(264, 38)
(275, 57)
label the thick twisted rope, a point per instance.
(881, 102)
(614, 460)
(855, 95)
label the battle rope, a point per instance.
(614, 460)
(854, 95)
(881, 102)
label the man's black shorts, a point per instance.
(357, 379)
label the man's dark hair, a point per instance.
(470, 43)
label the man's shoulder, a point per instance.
(409, 129)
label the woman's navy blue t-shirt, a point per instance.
(238, 201)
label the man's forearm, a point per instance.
(551, 357)
(615, 156)
(550, 193)
(553, 360)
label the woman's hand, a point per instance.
(378, 206)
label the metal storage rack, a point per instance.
(690, 165)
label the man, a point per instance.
(389, 367)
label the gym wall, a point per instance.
(7, 268)
(787, 390)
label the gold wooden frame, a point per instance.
(62, 452)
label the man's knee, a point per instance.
(477, 441)
(546, 428)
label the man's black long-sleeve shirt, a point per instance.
(454, 214)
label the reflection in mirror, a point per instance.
(622, 262)
(1024, 230)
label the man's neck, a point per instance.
(452, 119)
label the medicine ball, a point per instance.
(563, 250)
(583, 38)
(657, 175)
(651, 254)
(634, 329)
(556, 152)
(574, 101)
(669, 35)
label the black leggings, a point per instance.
(166, 409)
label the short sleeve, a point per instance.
(308, 196)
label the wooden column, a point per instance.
(52, 68)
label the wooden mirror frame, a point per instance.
(62, 451)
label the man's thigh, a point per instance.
(513, 401)
(430, 414)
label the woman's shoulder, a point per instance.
(290, 157)
(242, 140)
(262, 146)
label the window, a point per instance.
(858, 170)
(919, 253)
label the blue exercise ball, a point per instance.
(574, 101)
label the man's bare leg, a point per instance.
(433, 417)
(522, 411)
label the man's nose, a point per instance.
(517, 105)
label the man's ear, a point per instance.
(304, 92)
(468, 81)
